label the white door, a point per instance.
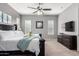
(27, 26)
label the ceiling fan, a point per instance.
(40, 9)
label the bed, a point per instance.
(8, 47)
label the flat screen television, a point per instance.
(70, 26)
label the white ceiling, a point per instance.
(22, 9)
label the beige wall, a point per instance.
(43, 18)
(70, 14)
(9, 10)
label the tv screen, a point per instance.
(70, 26)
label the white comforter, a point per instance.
(34, 46)
(11, 44)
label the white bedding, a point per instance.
(11, 35)
(10, 43)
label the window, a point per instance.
(27, 26)
(0, 16)
(18, 23)
(9, 19)
(50, 27)
(5, 18)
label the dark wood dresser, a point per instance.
(70, 41)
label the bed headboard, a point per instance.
(7, 27)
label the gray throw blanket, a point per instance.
(24, 43)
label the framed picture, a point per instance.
(39, 24)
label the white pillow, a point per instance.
(35, 36)
(19, 34)
(11, 35)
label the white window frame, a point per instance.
(29, 26)
(52, 27)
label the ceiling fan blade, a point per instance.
(47, 9)
(35, 11)
(32, 7)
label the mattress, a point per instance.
(8, 45)
(11, 45)
(10, 39)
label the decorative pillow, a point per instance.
(32, 36)
(35, 36)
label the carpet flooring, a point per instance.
(54, 48)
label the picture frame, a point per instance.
(39, 24)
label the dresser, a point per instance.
(69, 41)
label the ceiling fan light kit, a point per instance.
(39, 13)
